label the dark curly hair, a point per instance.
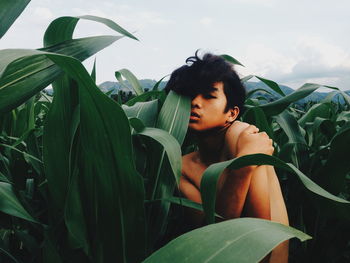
(199, 75)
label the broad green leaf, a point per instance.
(107, 172)
(145, 96)
(135, 84)
(213, 172)
(23, 74)
(187, 203)
(58, 125)
(329, 97)
(9, 255)
(74, 214)
(273, 85)
(3, 178)
(173, 118)
(155, 87)
(145, 111)
(257, 117)
(231, 60)
(26, 156)
(239, 240)
(170, 145)
(62, 28)
(276, 107)
(246, 78)
(343, 117)
(332, 174)
(10, 205)
(9, 12)
(322, 110)
(93, 72)
(291, 128)
(346, 97)
(295, 137)
(250, 93)
(318, 130)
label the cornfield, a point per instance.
(85, 178)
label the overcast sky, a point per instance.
(289, 41)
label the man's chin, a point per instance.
(208, 131)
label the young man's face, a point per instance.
(208, 110)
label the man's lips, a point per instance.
(194, 116)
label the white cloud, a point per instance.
(133, 19)
(267, 3)
(206, 21)
(312, 59)
(43, 13)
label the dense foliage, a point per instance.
(85, 178)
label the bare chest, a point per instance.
(192, 170)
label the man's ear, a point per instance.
(233, 114)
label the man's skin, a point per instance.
(252, 191)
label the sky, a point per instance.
(289, 41)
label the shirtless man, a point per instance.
(217, 101)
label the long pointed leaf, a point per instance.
(9, 203)
(9, 12)
(238, 240)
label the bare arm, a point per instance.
(245, 188)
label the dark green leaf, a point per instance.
(229, 241)
(9, 11)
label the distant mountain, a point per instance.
(315, 96)
(148, 84)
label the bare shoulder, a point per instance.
(231, 138)
(236, 128)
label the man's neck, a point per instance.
(211, 145)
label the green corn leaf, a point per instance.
(9, 12)
(187, 203)
(108, 171)
(250, 93)
(145, 111)
(62, 28)
(322, 110)
(135, 84)
(273, 85)
(213, 172)
(23, 75)
(295, 136)
(155, 87)
(257, 117)
(108, 152)
(276, 107)
(333, 173)
(170, 145)
(246, 78)
(10, 205)
(93, 72)
(145, 96)
(238, 240)
(231, 60)
(173, 118)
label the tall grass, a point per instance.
(86, 179)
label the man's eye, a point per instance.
(209, 96)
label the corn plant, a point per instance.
(86, 179)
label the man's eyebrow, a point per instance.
(215, 89)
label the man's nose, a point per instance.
(196, 102)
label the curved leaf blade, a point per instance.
(229, 241)
(9, 12)
(9, 203)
